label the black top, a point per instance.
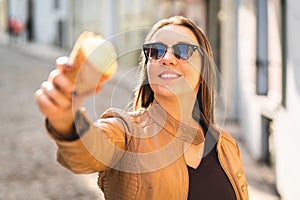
(209, 180)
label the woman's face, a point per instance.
(169, 76)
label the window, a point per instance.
(262, 56)
(283, 44)
(56, 4)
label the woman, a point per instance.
(169, 146)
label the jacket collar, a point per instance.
(174, 127)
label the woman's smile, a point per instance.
(169, 75)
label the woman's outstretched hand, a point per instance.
(56, 99)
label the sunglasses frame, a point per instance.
(194, 48)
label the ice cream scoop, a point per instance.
(93, 60)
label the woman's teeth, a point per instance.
(169, 75)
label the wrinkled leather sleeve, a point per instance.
(95, 146)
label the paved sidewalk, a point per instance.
(261, 180)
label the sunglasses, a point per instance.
(182, 51)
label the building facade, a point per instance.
(3, 15)
(267, 86)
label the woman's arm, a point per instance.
(96, 147)
(82, 146)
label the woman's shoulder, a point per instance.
(227, 138)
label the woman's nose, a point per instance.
(169, 58)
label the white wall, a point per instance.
(285, 126)
(3, 15)
(249, 104)
(227, 17)
(17, 9)
(46, 19)
(286, 123)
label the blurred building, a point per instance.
(262, 46)
(3, 15)
(255, 45)
(59, 22)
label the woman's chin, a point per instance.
(169, 92)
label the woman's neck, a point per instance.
(180, 108)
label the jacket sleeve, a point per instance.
(231, 158)
(95, 146)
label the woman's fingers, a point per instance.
(61, 82)
(55, 95)
(63, 63)
(47, 106)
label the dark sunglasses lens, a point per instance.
(154, 51)
(183, 51)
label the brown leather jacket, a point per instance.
(140, 155)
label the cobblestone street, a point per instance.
(27, 154)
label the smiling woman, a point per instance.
(173, 71)
(168, 146)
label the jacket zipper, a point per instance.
(226, 172)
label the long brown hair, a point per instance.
(204, 107)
